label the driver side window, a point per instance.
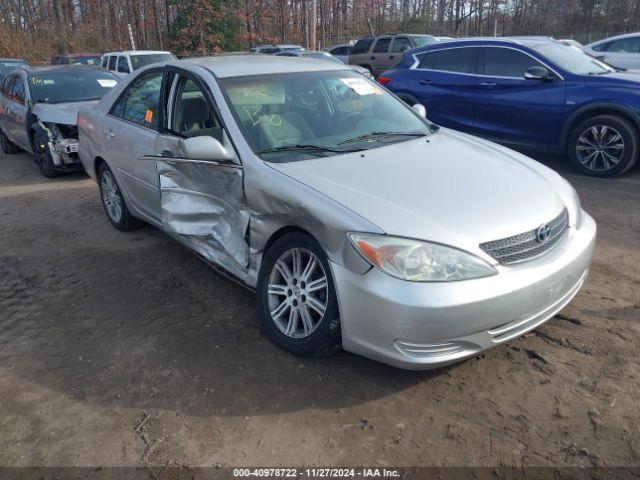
(140, 104)
(192, 114)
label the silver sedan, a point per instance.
(358, 223)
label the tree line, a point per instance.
(37, 29)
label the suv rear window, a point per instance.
(362, 46)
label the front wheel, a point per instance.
(604, 146)
(43, 157)
(296, 297)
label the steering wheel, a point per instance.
(351, 117)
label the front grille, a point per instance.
(526, 245)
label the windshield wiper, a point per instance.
(308, 148)
(376, 135)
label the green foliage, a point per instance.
(202, 27)
(416, 25)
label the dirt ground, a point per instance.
(125, 349)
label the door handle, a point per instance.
(391, 57)
(425, 81)
(373, 58)
(109, 133)
(488, 84)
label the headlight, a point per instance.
(419, 261)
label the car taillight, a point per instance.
(384, 80)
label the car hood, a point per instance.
(630, 78)
(453, 189)
(62, 113)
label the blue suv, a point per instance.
(529, 92)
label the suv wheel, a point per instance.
(604, 146)
(7, 145)
(296, 297)
(113, 201)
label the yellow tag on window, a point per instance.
(148, 116)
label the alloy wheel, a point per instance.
(600, 148)
(298, 293)
(111, 196)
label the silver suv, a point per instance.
(378, 54)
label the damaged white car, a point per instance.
(39, 110)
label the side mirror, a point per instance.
(206, 149)
(420, 109)
(537, 73)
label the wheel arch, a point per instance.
(594, 110)
(97, 162)
(282, 231)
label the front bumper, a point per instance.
(427, 325)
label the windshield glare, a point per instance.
(422, 40)
(139, 61)
(572, 60)
(71, 86)
(322, 109)
(84, 60)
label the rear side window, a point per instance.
(362, 46)
(7, 84)
(123, 66)
(506, 62)
(624, 45)
(18, 91)
(382, 45)
(112, 62)
(140, 103)
(104, 62)
(400, 44)
(340, 51)
(455, 60)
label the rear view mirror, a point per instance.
(420, 109)
(205, 148)
(537, 73)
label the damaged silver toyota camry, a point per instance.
(39, 108)
(357, 222)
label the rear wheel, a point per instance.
(113, 201)
(604, 146)
(296, 297)
(7, 145)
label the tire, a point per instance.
(319, 335)
(604, 146)
(113, 201)
(42, 155)
(7, 146)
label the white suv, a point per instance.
(123, 63)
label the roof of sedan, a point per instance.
(257, 64)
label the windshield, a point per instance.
(73, 85)
(294, 116)
(84, 60)
(6, 66)
(139, 61)
(422, 40)
(321, 56)
(572, 60)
